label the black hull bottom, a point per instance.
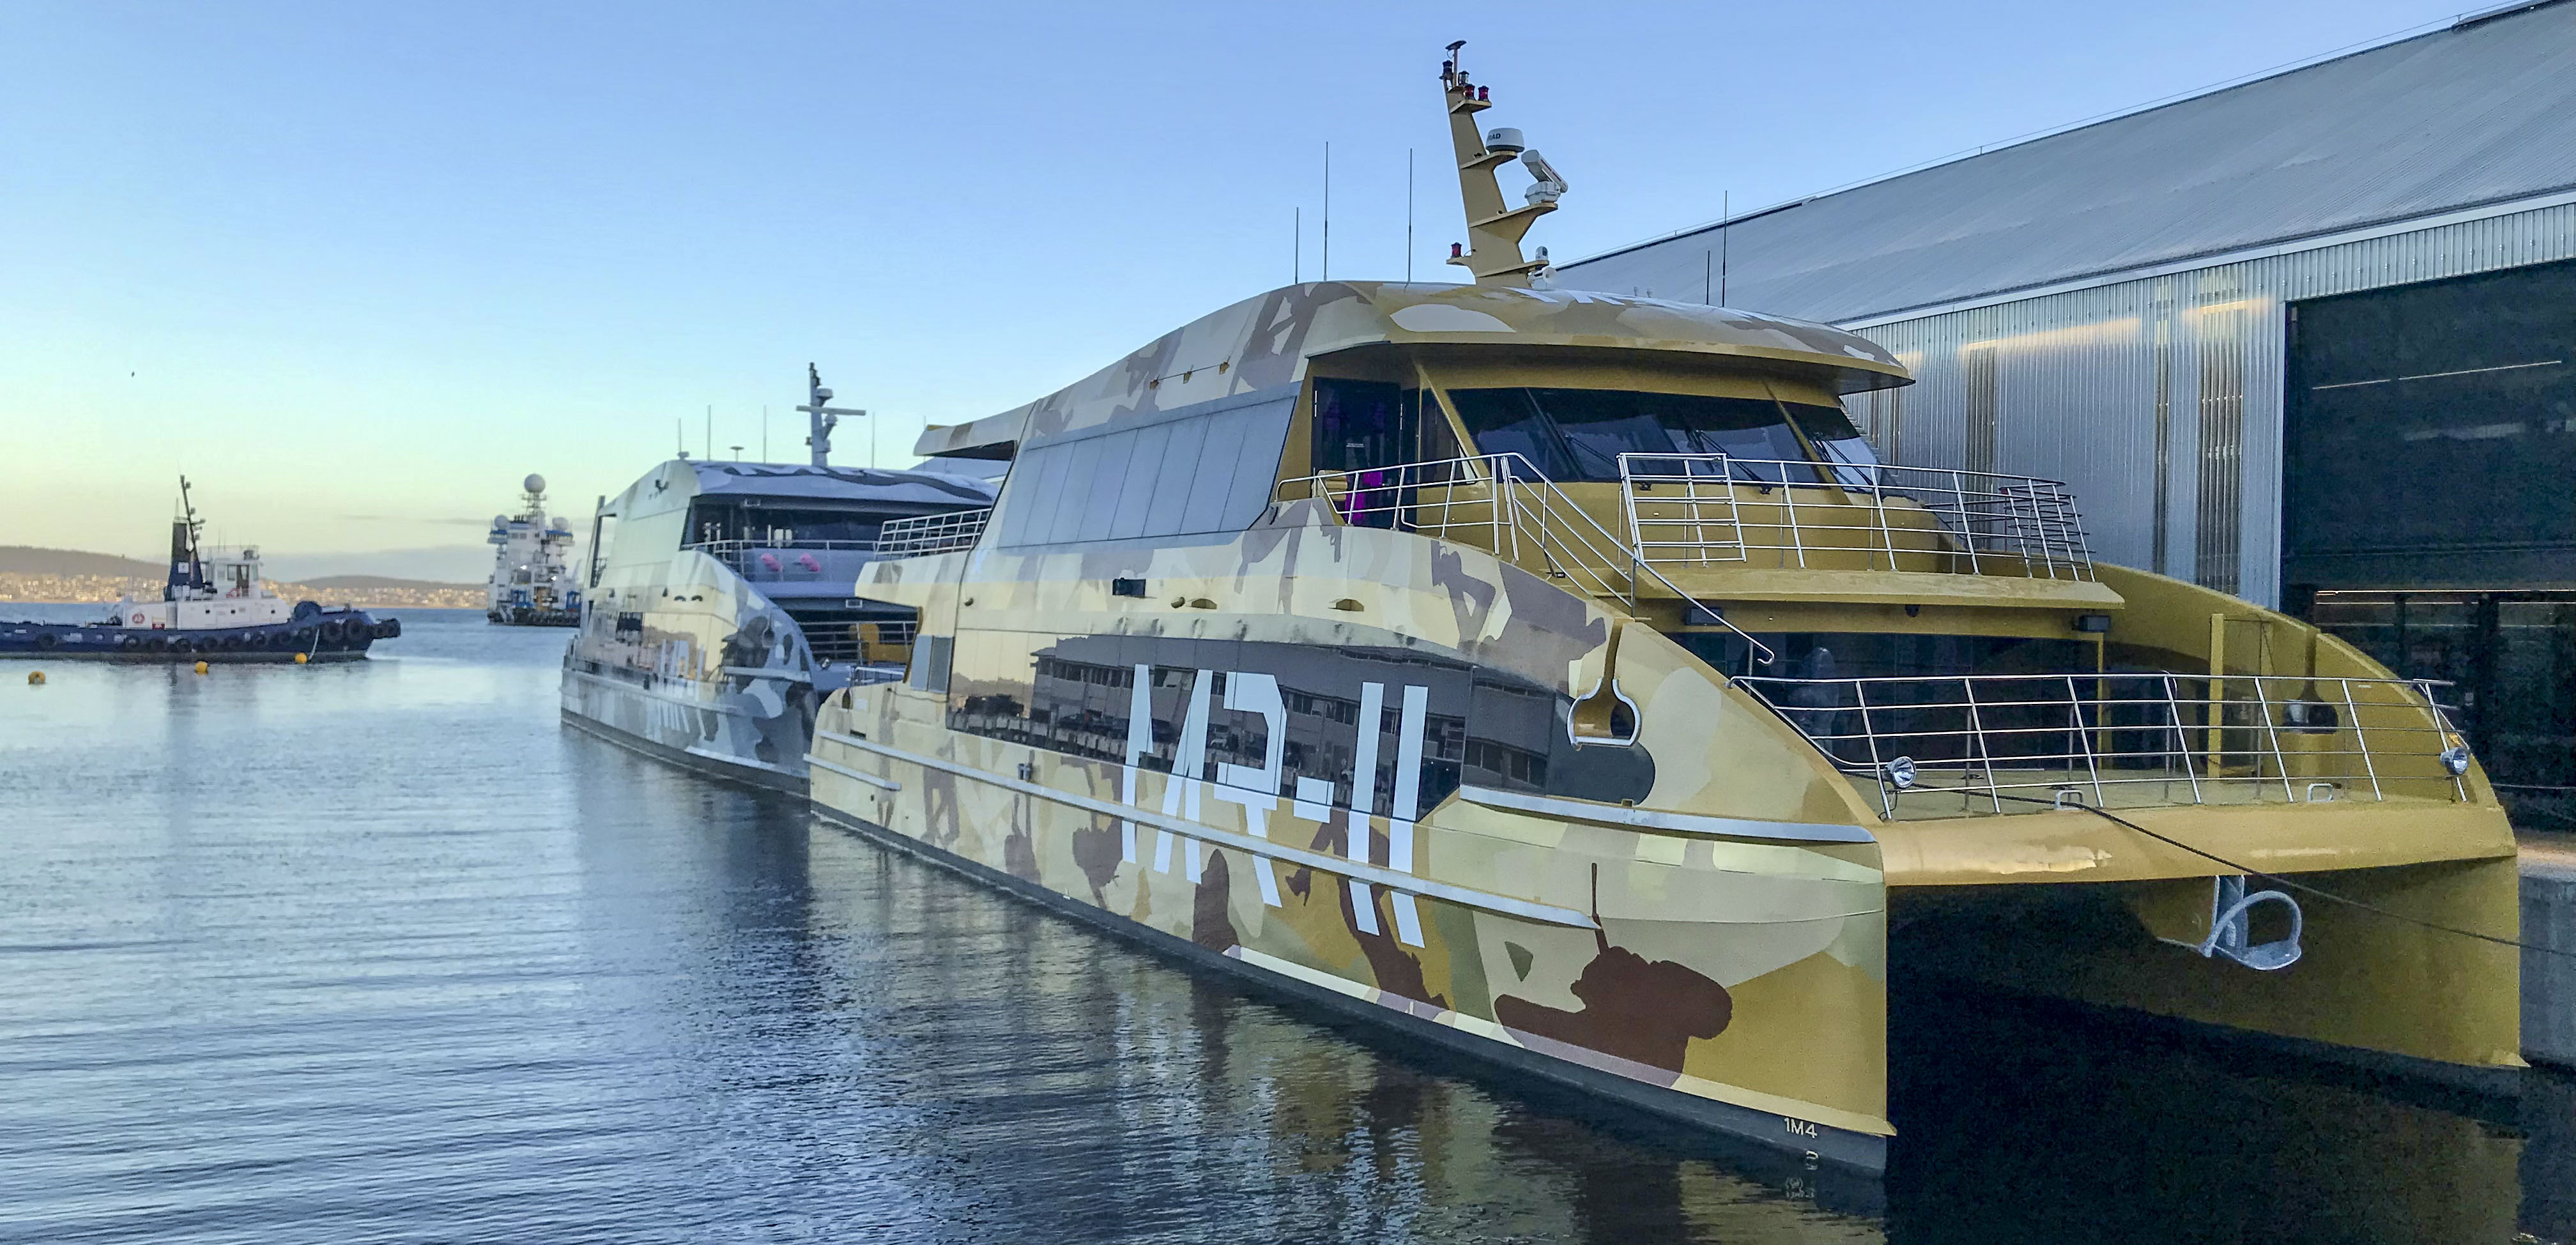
(705, 766)
(215, 658)
(1843, 1168)
(315, 633)
(533, 618)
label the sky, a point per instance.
(357, 269)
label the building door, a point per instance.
(2429, 504)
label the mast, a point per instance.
(187, 563)
(821, 419)
(1494, 231)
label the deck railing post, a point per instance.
(2182, 739)
(2352, 714)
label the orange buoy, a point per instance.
(201, 667)
(300, 659)
(35, 678)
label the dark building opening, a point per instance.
(2429, 503)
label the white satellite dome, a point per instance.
(500, 520)
(562, 524)
(534, 483)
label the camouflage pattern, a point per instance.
(1709, 941)
(679, 655)
(1264, 342)
(1728, 970)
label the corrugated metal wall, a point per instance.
(2159, 400)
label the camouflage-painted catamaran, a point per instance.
(1559, 677)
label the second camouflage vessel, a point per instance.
(1559, 677)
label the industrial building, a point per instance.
(2310, 339)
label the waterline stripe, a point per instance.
(845, 772)
(1504, 904)
(701, 750)
(1658, 819)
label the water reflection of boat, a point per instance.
(719, 607)
(216, 607)
(1557, 676)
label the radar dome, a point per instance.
(534, 484)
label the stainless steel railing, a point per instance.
(1992, 743)
(791, 561)
(1502, 504)
(1709, 508)
(946, 532)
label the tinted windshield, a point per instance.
(1579, 434)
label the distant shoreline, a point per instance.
(18, 588)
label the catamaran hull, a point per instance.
(1801, 1145)
(723, 734)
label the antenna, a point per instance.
(1725, 234)
(711, 432)
(1408, 216)
(1494, 231)
(1297, 245)
(1328, 212)
(821, 419)
(764, 432)
(679, 437)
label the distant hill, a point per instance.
(29, 560)
(375, 583)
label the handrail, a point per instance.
(762, 561)
(2131, 737)
(736, 546)
(946, 532)
(1504, 504)
(1693, 508)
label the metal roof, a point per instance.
(1263, 342)
(2483, 112)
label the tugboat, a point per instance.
(532, 581)
(215, 608)
(1560, 678)
(719, 612)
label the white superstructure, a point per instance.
(532, 579)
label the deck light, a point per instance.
(2456, 759)
(1900, 773)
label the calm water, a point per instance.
(383, 953)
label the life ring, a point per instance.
(138, 620)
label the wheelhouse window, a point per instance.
(1579, 434)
